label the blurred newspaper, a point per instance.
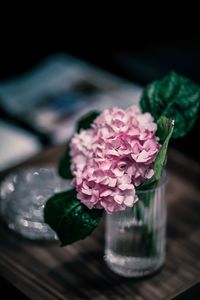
(16, 145)
(52, 96)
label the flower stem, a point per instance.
(148, 235)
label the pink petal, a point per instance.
(87, 192)
(118, 172)
(106, 193)
(129, 201)
(142, 157)
(124, 179)
(112, 182)
(119, 199)
(125, 186)
(149, 173)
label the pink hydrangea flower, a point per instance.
(113, 157)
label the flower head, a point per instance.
(113, 157)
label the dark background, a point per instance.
(140, 56)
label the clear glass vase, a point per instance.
(135, 238)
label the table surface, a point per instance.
(47, 271)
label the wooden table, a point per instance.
(46, 271)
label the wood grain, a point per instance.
(46, 271)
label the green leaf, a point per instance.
(147, 233)
(165, 130)
(175, 97)
(64, 166)
(69, 218)
(86, 121)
